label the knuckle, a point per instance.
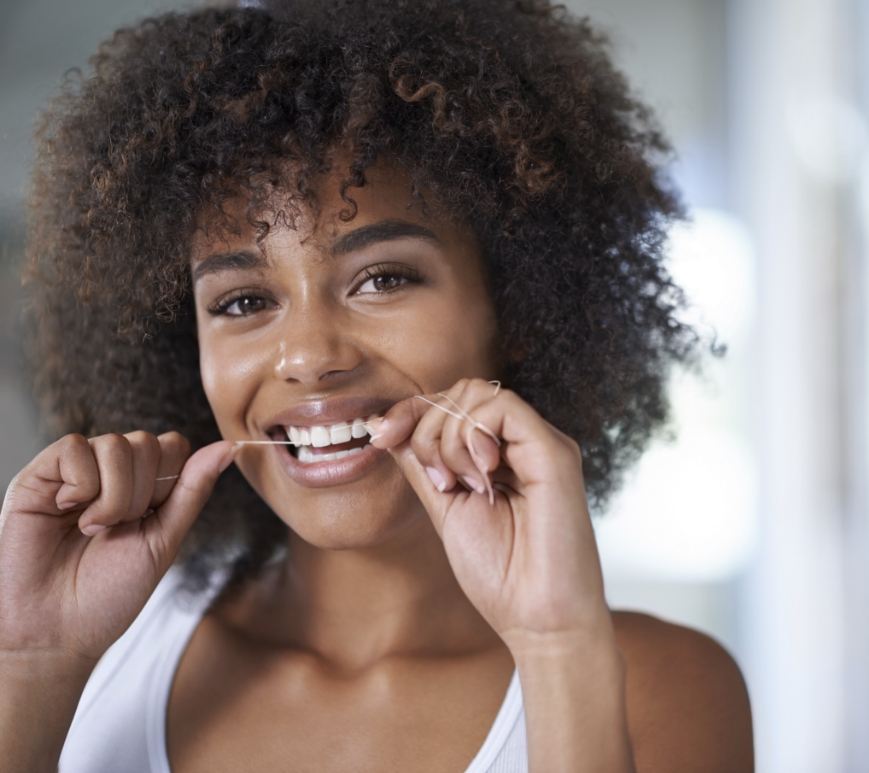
(74, 439)
(140, 436)
(148, 444)
(73, 443)
(477, 384)
(173, 438)
(114, 443)
(574, 452)
(509, 394)
(565, 439)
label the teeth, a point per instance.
(320, 436)
(340, 434)
(307, 456)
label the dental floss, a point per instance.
(463, 415)
(255, 443)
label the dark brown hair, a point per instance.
(509, 113)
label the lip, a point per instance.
(331, 411)
(329, 473)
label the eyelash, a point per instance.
(407, 273)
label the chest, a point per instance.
(230, 711)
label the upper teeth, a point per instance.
(320, 437)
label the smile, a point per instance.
(332, 435)
(323, 456)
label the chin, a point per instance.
(346, 532)
(340, 521)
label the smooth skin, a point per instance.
(386, 638)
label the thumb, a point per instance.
(173, 519)
(435, 502)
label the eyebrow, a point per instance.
(385, 230)
(382, 232)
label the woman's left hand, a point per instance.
(528, 561)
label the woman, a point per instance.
(423, 234)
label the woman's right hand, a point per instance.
(63, 592)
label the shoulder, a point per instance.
(687, 701)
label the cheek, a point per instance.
(438, 348)
(229, 379)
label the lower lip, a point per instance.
(331, 473)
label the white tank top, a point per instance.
(120, 721)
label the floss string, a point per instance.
(462, 415)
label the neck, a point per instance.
(355, 608)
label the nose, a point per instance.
(315, 344)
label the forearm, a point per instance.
(38, 698)
(574, 698)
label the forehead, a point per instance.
(385, 199)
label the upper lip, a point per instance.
(330, 411)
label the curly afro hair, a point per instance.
(508, 113)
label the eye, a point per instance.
(241, 304)
(386, 278)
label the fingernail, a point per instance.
(66, 505)
(435, 476)
(93, 528)
(474, 483)
(376, 427)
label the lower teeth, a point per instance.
(306, 456)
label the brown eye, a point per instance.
(387, 279)
(239, 306)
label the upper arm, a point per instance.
(687, 702)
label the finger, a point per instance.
(422, 417)
(507, 477)
(434, 435)
(62, 477)
(531, 447)
(397, 424)
(457, 447)
(393, 430)
(510, 486)
(114, 458)
(435, 502)
(145, 450)
(174, 451)
(166, 528)
(426, 440)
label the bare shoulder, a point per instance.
(687, 702)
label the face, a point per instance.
(384, 306)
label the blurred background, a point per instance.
(752, 525)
